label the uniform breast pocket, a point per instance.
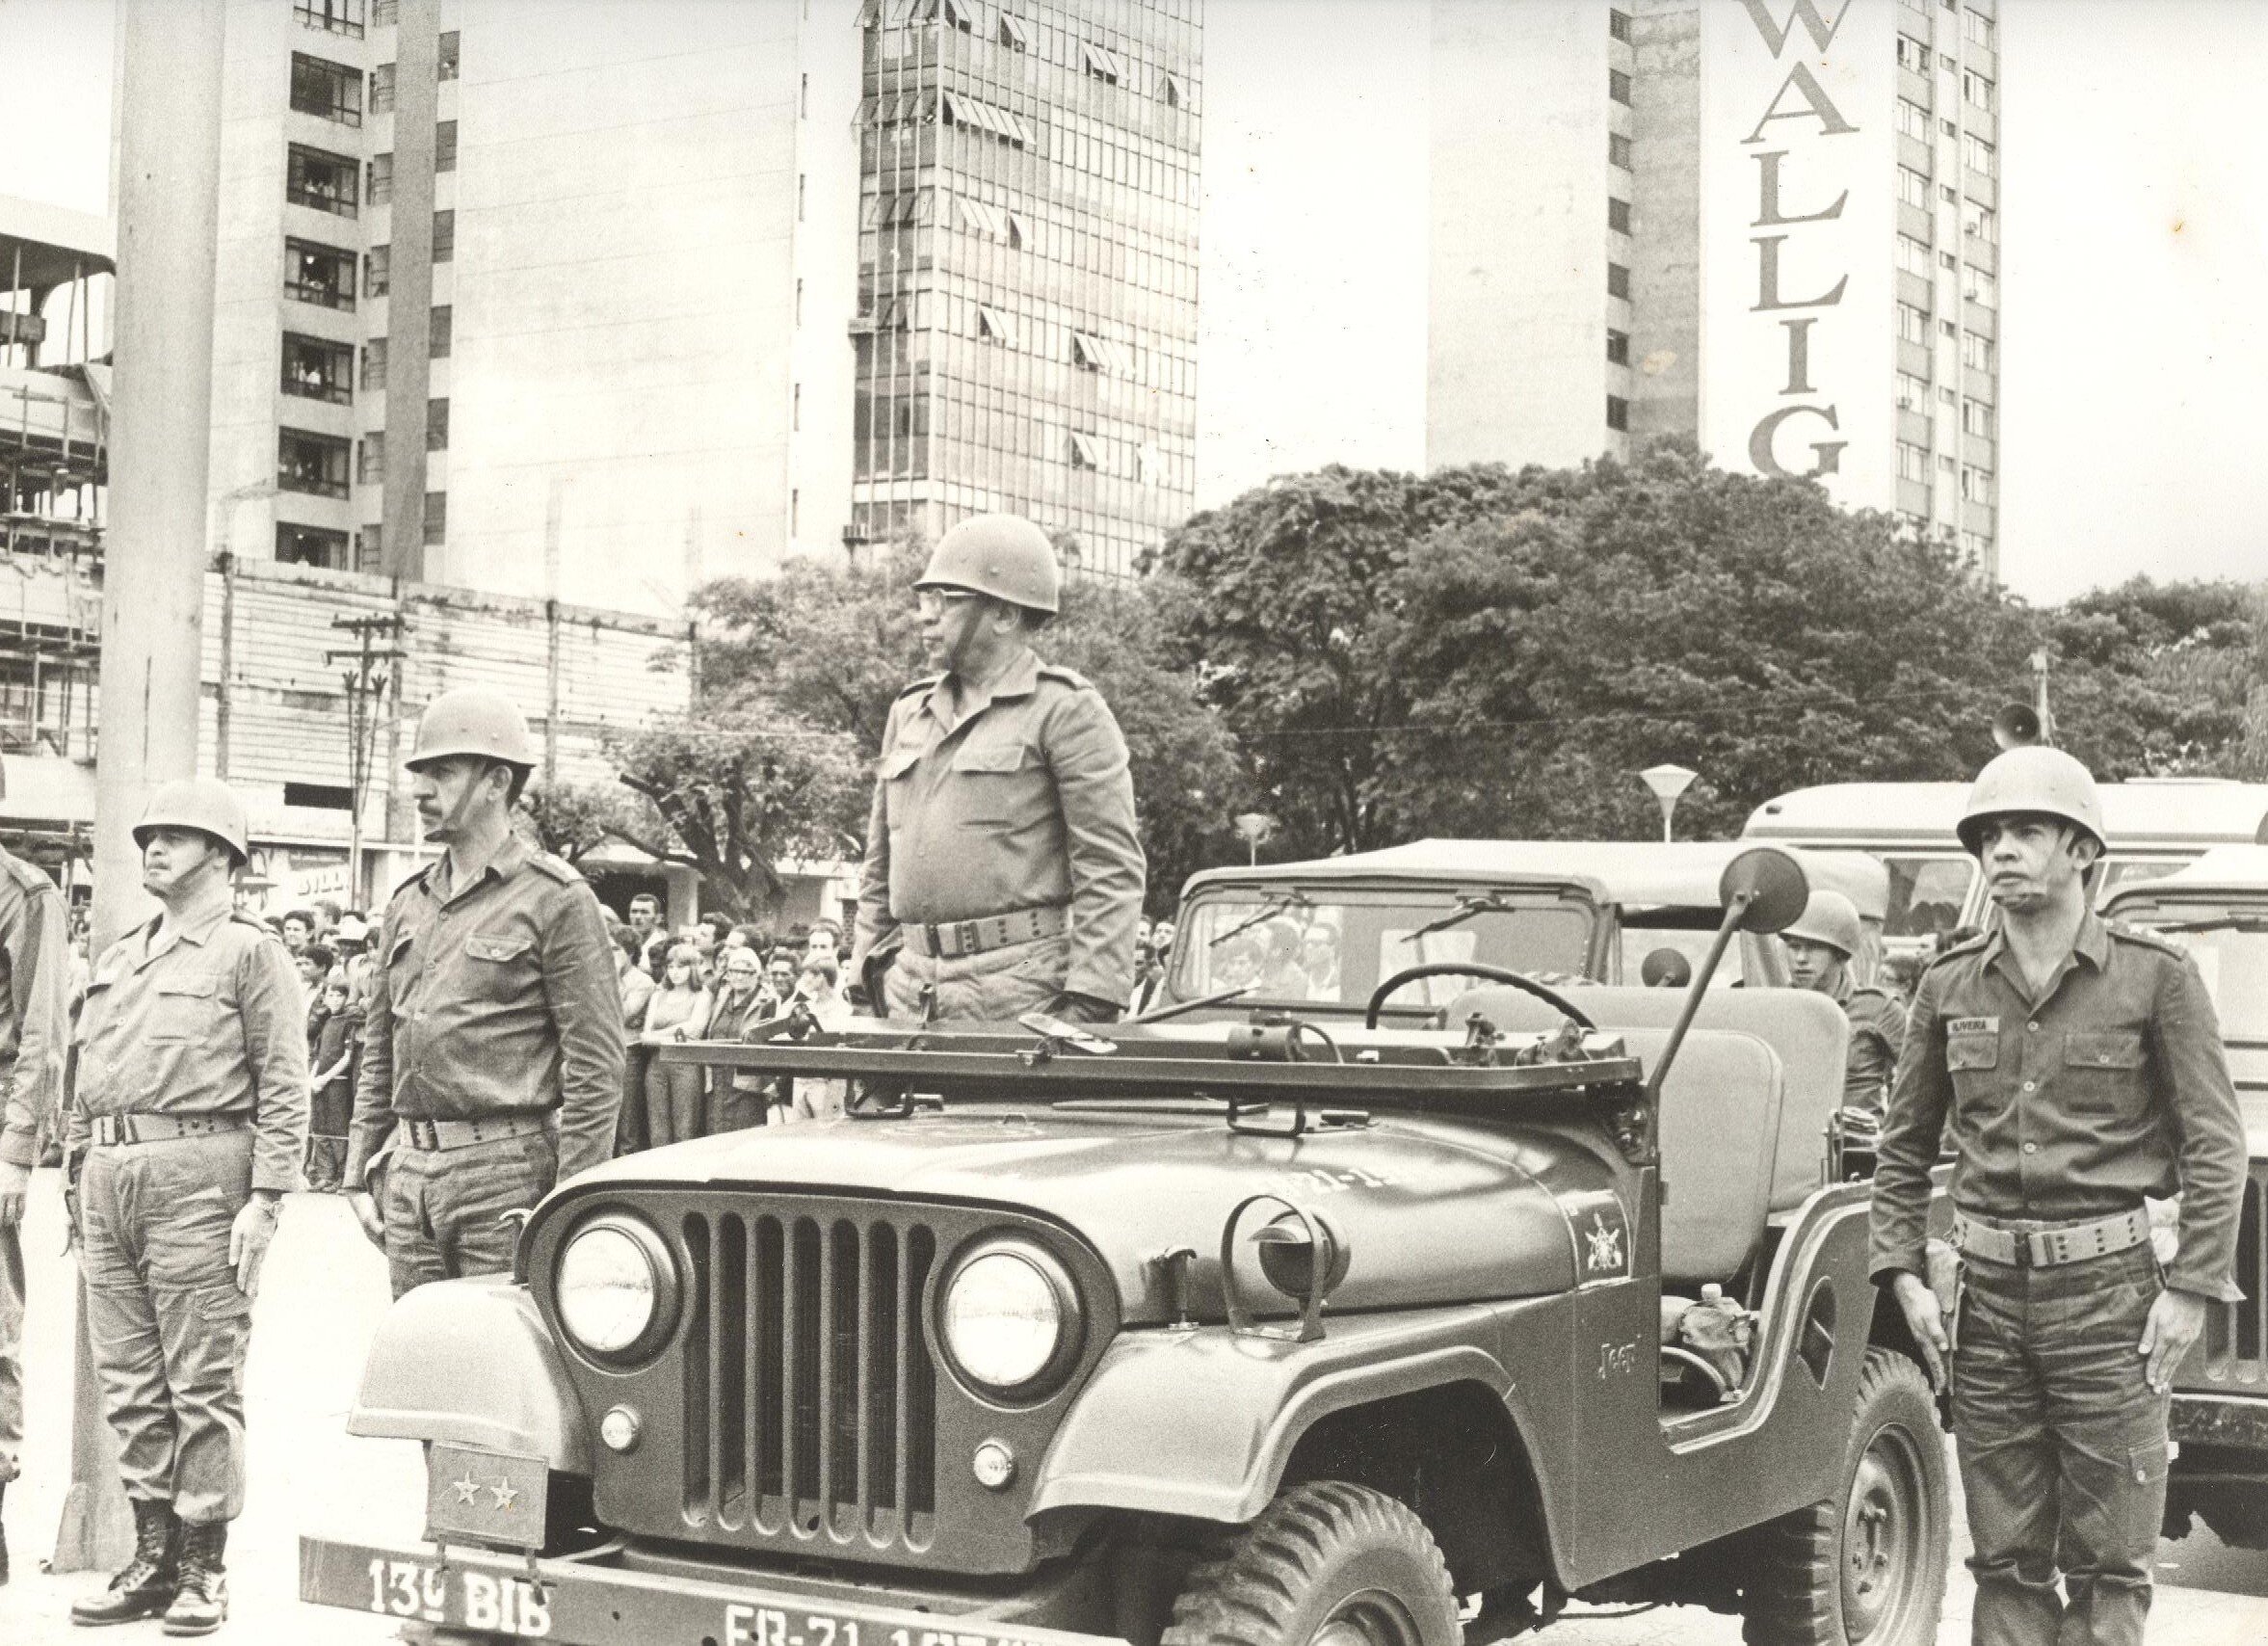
(1973, 1061)
(995, 783)
(2103, 1070)
(186, 1009)
(497, 966)
(897, 785)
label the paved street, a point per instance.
(324, 1292)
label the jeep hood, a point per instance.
(1434, 1211)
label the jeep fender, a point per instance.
(1200, 1421)
(470, 1362)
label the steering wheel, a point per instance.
(1551, 996)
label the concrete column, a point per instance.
(409, 299)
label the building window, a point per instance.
(1973, 545)
(1913, 462)
(318, 178)
(1946, 395)
(1976, 417)
(1976, 352)
(1946, 62)
(1617, 280)
(381, 88)
(1090, 353)
(310, 463)
(445, 67)
(1013, 33)
(1976, 484)
(1914, 120)
(369, 548)
(1085, 451)
(445, 146)
(311, 545)
(955, 16)
(378, 265)
(1617, 347)
(803, 99)
(443, 333)
(1100, 65)
(436, 517)
(1618, 150)
(1978, 154)
(802, 190)
(1913, 394)
(1980, 221)
(795, 417)
(1617, 25)
(996, 325)
(1946, 258)
(1618, 215)
(1913, 256)
(370, 462)
(1948, 127)
(374, 364)
(1913, 187)
(1951, 331)
(385, 14)
(1946, 191)
(1946, 462)
(1912, 54)
(795, 511)
(1977, 27)
(1618, 86)
(380, 181)
(1913, 324)
(332, 17)
(1618, 413)
(445, 236)
(318, 273)
(328, 90)
(799, 302)
(1979, 287)
(1979, 90)
(1171, 89)
(314, 369)
(437, 425)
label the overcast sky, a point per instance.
(2135, 245)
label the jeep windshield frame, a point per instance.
(2227, 933)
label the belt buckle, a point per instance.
(106, 1130)
(964, 934)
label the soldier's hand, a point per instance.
(248, 1240)
(16, 1187)
(1925, 1320)
(2176, 1320)
(364, 1206)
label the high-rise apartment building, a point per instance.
(1027, 268)
(1770, 226)
(591, 300)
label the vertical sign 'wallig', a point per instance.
(1798, 306)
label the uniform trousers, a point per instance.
(11, 1351)
(736, 1107)
(997, 986)
(2063, 1448)
(444, 1208)
(169, 1326)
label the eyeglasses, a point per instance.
(929, 602)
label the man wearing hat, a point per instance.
(1821, 945)
(1003, 873)
(492, 1039)
(2080, 1066)
(35, 971)
(189, 1125)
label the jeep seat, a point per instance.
(1742, 1137)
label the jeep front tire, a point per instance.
(1326, 1564)
(1865, 1567)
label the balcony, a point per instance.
(332, 17)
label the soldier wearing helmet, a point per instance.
(1002, 872)
(2075, 1068)
(1820, 947)
(493, 1036)
(191, 1119)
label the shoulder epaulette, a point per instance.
(1068, 677)
(554, 868)
(240, 917)
(1967, 946)
(415, 877)
(2147, 937)
(30, 876)
(923, 684)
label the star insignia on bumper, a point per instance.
(467, 1488)
(505, 1493)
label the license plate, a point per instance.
(485, 1497)
(461, 1597)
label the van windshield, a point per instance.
(2230, 945)
(1332, 946)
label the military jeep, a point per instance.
(2217, 908)
(1229, 1334)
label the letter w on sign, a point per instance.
(1805, 13)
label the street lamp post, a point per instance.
(1667, 782)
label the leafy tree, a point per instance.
(571, 819)
(2161, 679)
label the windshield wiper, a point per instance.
(1268, 910)
(1473, 903)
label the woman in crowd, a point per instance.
(636, 992)
(678, 1011)
(332, 1042)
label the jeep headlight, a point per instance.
(1009, 1317)
(616, 1288)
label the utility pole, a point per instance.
(169, 184)
(371, 677)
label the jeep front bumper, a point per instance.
(2216, 1419)
(588, 1602)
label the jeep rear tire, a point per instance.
(1867, 1567)
(1326, 1564)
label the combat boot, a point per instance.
(200, 1603)
(145, 1587)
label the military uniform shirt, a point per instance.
(496, 998)
(1877, 1030)
(2112, 1086)
(207, 1021)
(34, 1004)
(1025, 803)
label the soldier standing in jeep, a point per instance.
(2081, 1064)
(1003, 872)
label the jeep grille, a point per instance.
(2235, 1346)
(810, 1395)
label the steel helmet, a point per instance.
(1001, 555)
(473, 720)
(2034, 779)
(207, 805)
(1829, 918)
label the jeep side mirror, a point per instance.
(1763, 890)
